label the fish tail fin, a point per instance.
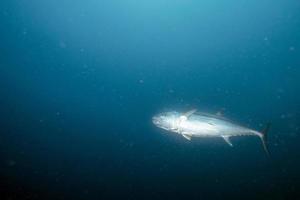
(263, 137)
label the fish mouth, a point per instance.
(156, 121)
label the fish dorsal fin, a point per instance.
(189, 113)
(188, 137)
(227, 140)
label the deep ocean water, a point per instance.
(81, 80)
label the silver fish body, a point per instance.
(192, 124)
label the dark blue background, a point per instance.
(81, 80)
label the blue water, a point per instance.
(81, 80)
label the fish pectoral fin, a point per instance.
(186, 136)
(227, 140)
(189, 113)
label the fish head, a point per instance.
(167, 121)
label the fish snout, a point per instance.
(156, 120)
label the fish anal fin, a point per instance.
(211, 123)
(186, 136)
(227, 140)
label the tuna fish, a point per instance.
(194, 124)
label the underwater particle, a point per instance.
(280, 90)
(11, 163)
(292, 48)
(141, 81)
(254, 180)
(130, 144)
(86, 191)
(62, 44)
(5, 13)
(284, 170)
(24, 31)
